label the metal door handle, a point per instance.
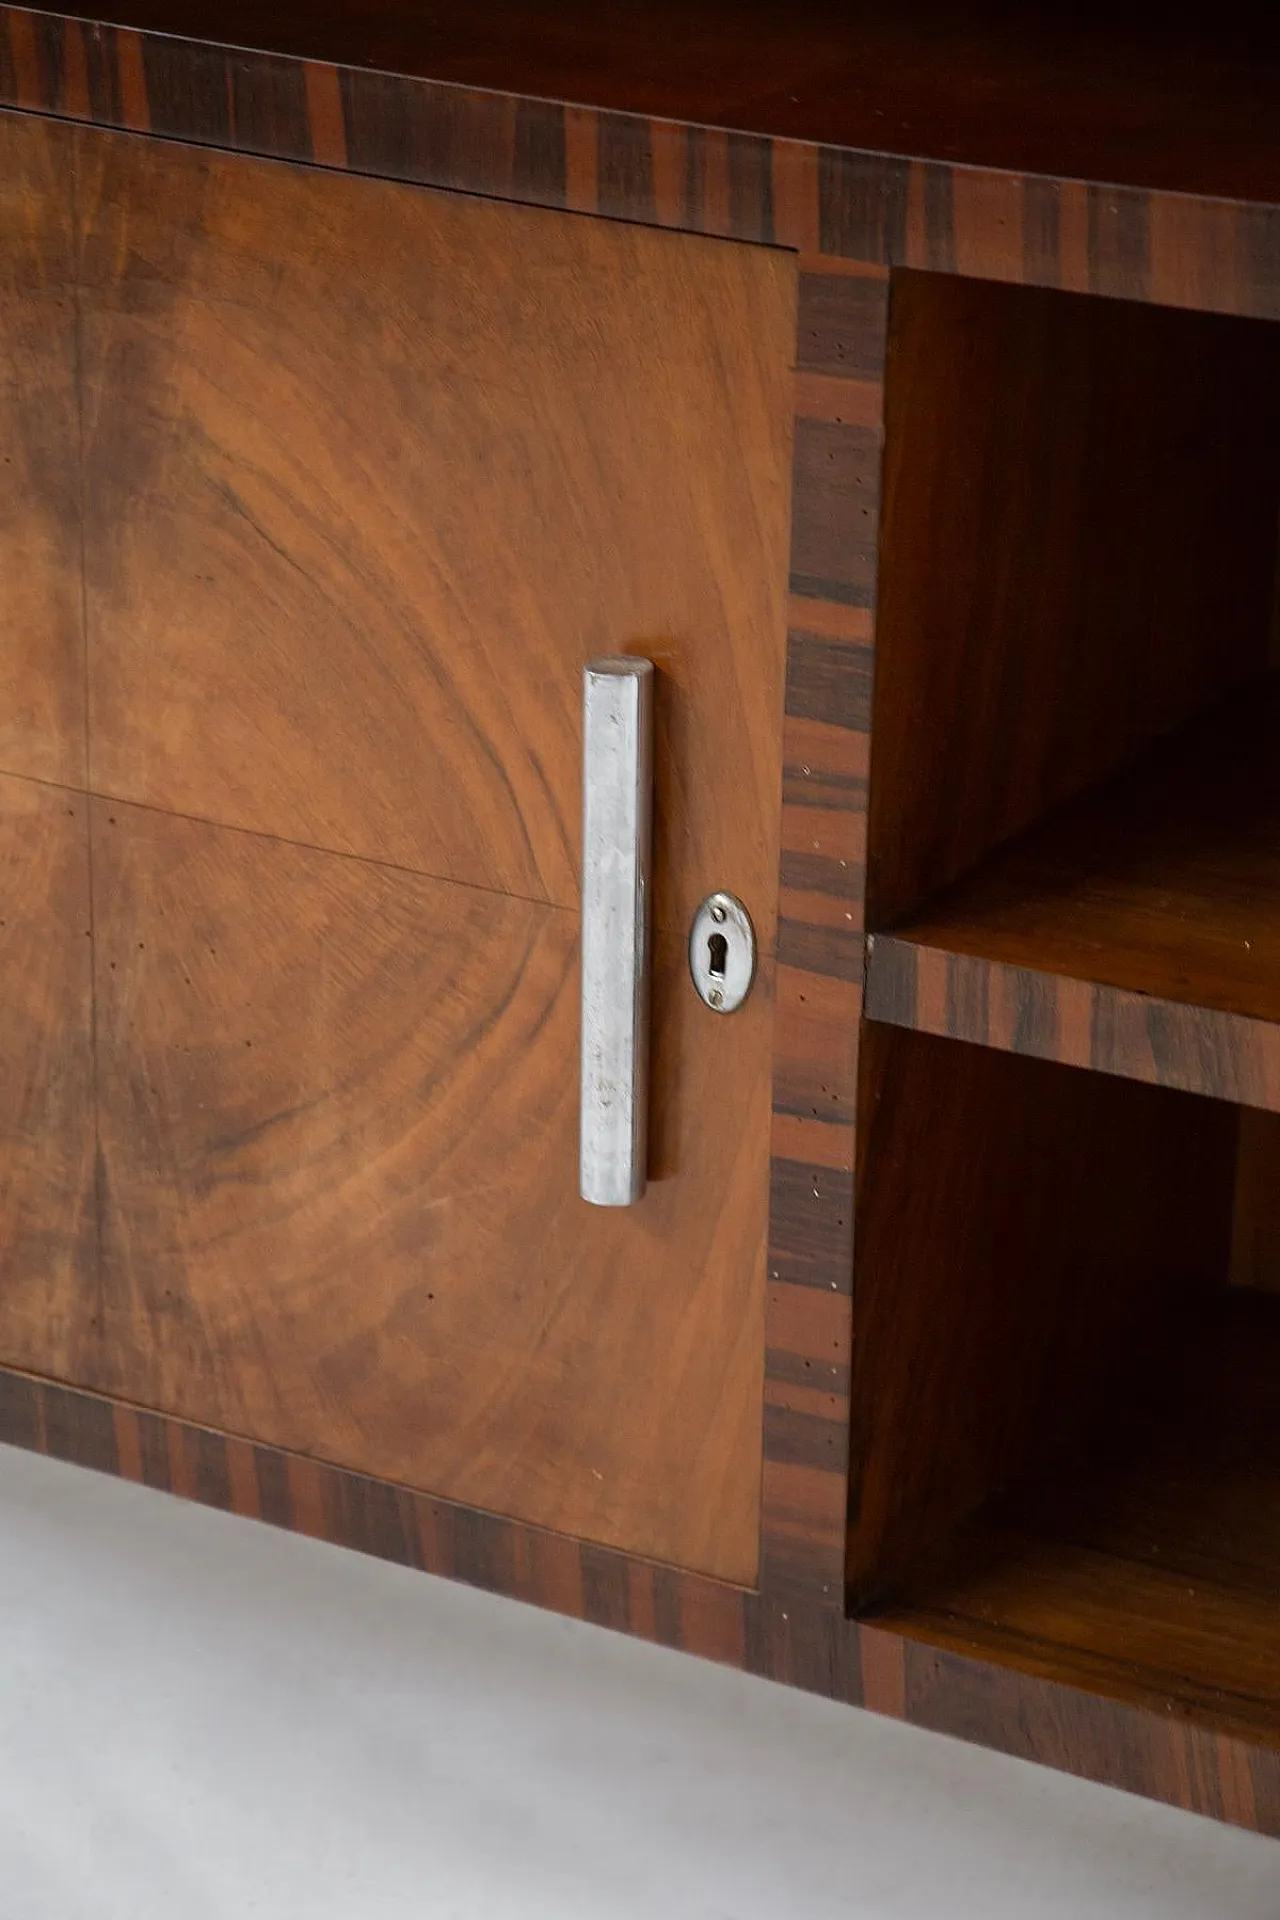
(617, 812)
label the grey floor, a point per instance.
(202, 1717)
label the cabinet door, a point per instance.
(370, 474)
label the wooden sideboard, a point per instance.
(909, 394)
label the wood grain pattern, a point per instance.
(1157, 1561)
(124, 286)
(1133, 931)
(1025, 1233)
(278, 530)
(1049, 1017)
(340, 1208)
(1079, 552)
(41, 637)
(1108, 1727)
(1163, 880)
(839, 375)
(1187, 102)
(36, 210)
(1183, 247)
(845, 212)
(1090, 1727)
(1097, 1617)
(48, 1236)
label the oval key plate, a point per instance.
(722, 952)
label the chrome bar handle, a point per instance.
(617, 814)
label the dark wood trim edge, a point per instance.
(1139, 1748)
(1078, 1023)
(852, 207)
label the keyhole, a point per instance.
(718, 954)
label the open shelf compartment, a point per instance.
(1075, 781)
(1066, 1306)
(1066, 1381)
(1136, 929)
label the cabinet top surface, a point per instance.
(1171, 99)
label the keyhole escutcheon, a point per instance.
(722, 952)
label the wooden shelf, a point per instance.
(1137, 929)
(1065, 1386)
(1154, 1568)
(1066, 1439)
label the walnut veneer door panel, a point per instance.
(369, 475)
(42, 667)
(47, 1225)
(339, 1137)
(372, 471)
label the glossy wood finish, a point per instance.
(42, 649)
(1157, 1560)
(1079, 552)
(1003, 1306)
(1135, 931)
(420, 468)
(49, 1242)
(1189, 102)
(851, 215)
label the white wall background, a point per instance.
(204, 1719)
